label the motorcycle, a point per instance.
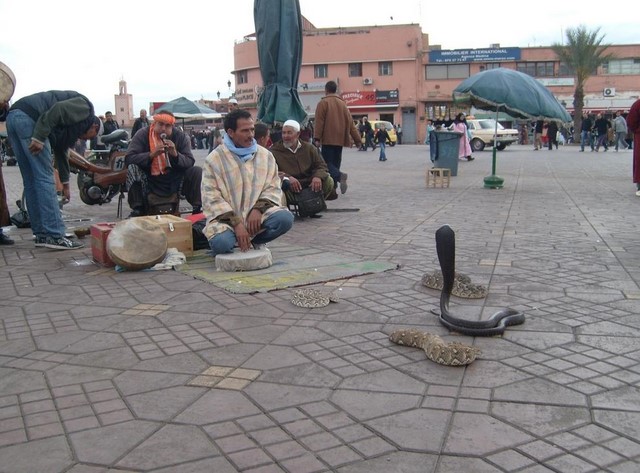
(103, 174)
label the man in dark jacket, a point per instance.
(160, 167)
(36, 125)
(585, 131)
(140, 122)
(110, 125)
(602, 126)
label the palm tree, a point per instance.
(583, 54)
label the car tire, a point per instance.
(391, 143)
(501, 146)
(477, 144)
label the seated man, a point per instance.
(241, 191)
(300, 163)
(160, 167)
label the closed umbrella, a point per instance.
(506, 90)
(279, 38)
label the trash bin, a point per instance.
(447, 145)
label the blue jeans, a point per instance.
(37, 176)
(278, 223)
(585, 138)
(332, 155)
(383, 156)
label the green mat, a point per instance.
(292, 266)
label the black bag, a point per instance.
(21, 219)
(200, 241)
(161, 205)
(310, 202)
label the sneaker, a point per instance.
(333, 195)
(5, 240)
(40, 241)
(259, 246)
(61, 243)
(638, 193)
(343, 182)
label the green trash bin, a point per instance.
(447, 145)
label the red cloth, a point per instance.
(633, 122)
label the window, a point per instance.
(385, 68)
(320, 71)
(452, 71)
(242, 77)
(355, 69)
(564, 70)
(536, 69)
(489, 65)
(622, 66)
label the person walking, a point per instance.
(37, 125)
(537, 135)
(381, 137)
(460, 125)
(552, 134)
(620, 129)
(633, 125)
(585, 131)
(334, 130)
(602, 126)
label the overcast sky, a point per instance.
(165, 50)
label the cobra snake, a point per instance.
(494, 325)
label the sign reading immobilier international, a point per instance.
(474, 55)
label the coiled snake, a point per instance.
(436, 349)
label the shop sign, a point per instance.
(445, 56)
(371, 98)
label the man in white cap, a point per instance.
(300, 164)
(232, 105)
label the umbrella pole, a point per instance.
(493, 181)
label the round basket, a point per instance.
(7, 83)
(136, 244)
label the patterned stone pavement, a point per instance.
(156, 371)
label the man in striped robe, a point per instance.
(241, 193)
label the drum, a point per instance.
(244, 260)
(136, 244)
(7, 83)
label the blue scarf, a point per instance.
(244, 154)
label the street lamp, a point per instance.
(229, 84)
(218, 94)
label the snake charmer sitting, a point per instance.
(160, 167)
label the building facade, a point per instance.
(392, 73)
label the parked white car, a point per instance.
(482, 131)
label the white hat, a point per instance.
(233, 101)
(293, 124)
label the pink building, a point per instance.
(392, 73)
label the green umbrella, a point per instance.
(188, 109)
(279, 38)
(506, 90)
